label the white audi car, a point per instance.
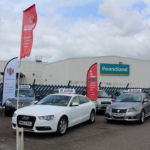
(55, 113)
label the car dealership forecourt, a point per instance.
(39, 122)
(112, 71)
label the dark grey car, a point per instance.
(129, 107)
(26, 98)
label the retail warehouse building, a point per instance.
(112, 72)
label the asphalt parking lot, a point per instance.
(98, 136)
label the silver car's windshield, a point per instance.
(58, 100)
(129, 97)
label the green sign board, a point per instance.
(115, 69)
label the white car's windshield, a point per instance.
(58, 100)
(129, 97)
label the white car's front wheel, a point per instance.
(62, 126)
(92, 117)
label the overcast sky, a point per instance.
(78, 28)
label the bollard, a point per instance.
(20, 138)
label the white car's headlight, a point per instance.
(132, 109)
(14, 115)
(48, 117)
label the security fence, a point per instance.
(43, 90)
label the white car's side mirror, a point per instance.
(75, 104)
(35, 102)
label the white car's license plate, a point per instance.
(25, 123)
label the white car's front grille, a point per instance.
(26, 121)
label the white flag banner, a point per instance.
(9, 80)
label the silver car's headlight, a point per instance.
(48, 117)
(108, 109)
(132, 109)
(8, 103)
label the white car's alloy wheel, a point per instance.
(92, 117)
(62, 126)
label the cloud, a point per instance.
(72, 2)
(127, 21)
(123, 31)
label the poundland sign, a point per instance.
(115, 69)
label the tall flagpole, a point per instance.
(29, 23)
(18, 82)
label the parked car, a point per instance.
(26, 97)
(129, 107)
(103, 100)
(55, 113)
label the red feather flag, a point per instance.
(29, 23)
(91, 83)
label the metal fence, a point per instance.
(43, 90)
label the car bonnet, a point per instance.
(39, 110)
(125, 105)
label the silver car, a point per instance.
(129, 107)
